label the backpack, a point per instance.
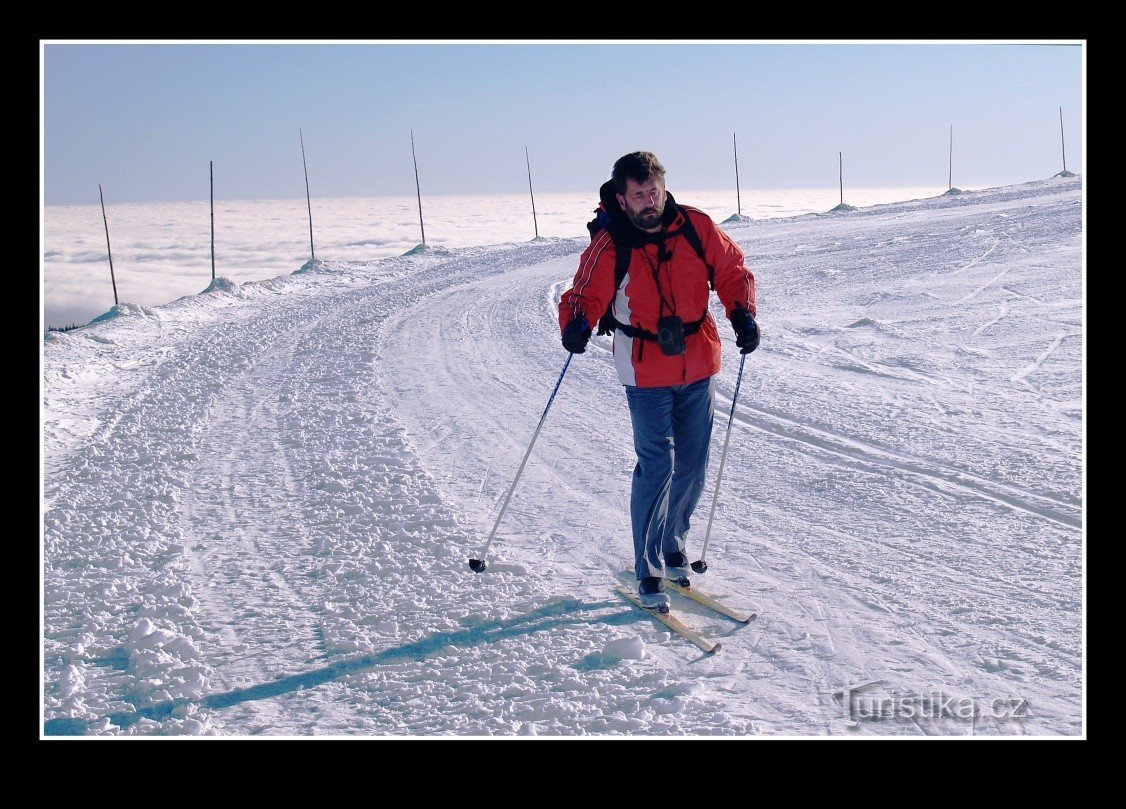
(609, 217)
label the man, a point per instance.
(666, 347)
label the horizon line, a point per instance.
(831, 188)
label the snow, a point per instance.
(259, 502)
(162, 251)
(623, 649)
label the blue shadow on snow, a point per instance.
(489, 632)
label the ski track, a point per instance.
(933, 473)
(258, 524)
(245, 524)
(1020, 375)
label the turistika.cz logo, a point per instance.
(860, 702)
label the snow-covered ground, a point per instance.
(259, 501)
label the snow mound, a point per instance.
(736, 218)
(124, 310)
(311, 264)
(623, 649)
(220, 284)
(426, 248)
(844, 206)
(953, 192)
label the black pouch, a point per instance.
(670, 335)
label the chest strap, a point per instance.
(610, 323)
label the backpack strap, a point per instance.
(607, 219)
(688, 231)
(623, 252)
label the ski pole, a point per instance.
(479, 564)
(701, 566)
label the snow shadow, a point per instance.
(116, 658)
(550, 616)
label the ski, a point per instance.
(708, 600)
(671, 621)
(711, 602)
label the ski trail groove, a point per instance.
(244, 523)
(929, 472)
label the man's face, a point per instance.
(644, 203)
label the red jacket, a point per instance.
(683, 286)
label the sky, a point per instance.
(259, 502)
(144, 120)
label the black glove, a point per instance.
(746, 330)
(576, 335)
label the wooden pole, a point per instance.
(308, 199)
(738, 198)
(841, 158)
(535, 223)
(418, 189)
(1063, 151)
(950, 171)
(108, 251)
(212, 165)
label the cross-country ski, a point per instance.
(671, 620)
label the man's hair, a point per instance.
(637, 166)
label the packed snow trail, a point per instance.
(259, 502)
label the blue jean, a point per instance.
(672, 430)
